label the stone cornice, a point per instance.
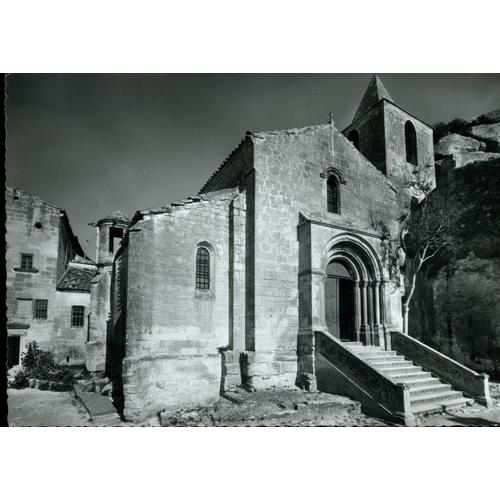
(304, 219)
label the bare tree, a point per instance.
(424, 231)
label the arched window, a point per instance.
(333, 195)
(411, 143)
(202, 269)
(354, 138)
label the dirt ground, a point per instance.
(34, 408)
(286, 407)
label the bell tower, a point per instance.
(391, 138)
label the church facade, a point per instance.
(228, 287)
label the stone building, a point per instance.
(48, 280)
(230, 286)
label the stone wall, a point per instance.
(174, 332)
(99, 321)
(394, 122)
(70, 341)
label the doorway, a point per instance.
(13, 348)
(339, 302)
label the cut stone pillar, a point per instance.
(357, 310)
(365, 328)
(318, 280)
(382, 330)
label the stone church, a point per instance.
(274, 275)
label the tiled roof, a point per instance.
(76, 279)
(168, 208)
(83, 260)
(224, 163)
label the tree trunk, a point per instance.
(409, 295)
(406, 310)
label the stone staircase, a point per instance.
(427, 393)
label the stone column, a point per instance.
(237, 269)
(382, 316)
(376, 314)
(357, 310)
(365, 329)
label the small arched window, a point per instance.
(411, 143)
(202, 269)
(354, 138)
(333, 195)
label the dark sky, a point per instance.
(96, 143)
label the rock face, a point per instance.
(456, 307)
(489, 133)
(468, 158)
(456, 143)
(491, 117)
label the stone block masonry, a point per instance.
(42, 232)
(174, 331)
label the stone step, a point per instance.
(440, 396)
(429, 388)
(380, 357)
(368, 348)
(348, 343)
(428, 394)
(372, 353)
(423, 409)
(406, 378)
(391, 363)
(401, 370)
(428, 380)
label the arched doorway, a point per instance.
(339, 301)
(353, 294)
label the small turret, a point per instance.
(110, 231)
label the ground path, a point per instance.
(34, 408)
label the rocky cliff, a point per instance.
(456, 307)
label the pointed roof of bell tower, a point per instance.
(374, 93)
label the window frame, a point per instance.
(333, 186)
(77, 312)
(23, 256)
(37, 310)
(203, 281)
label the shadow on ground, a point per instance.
(472, 421)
